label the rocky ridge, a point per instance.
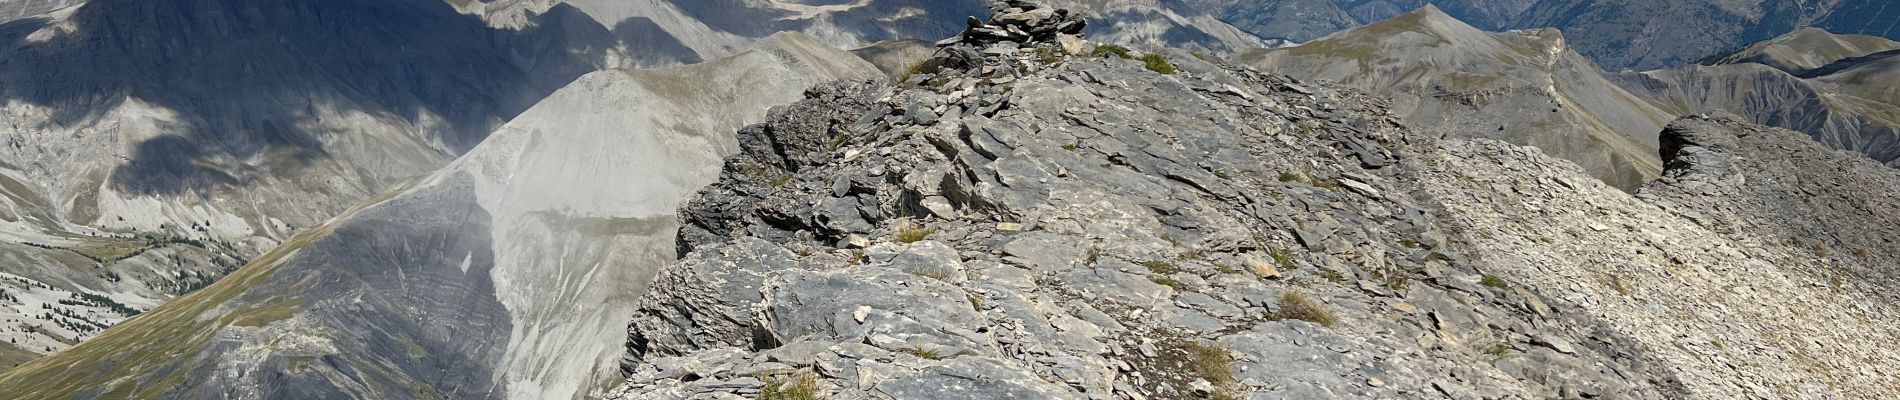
(1031, 223)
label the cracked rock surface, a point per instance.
(1014, 224)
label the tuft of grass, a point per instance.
(1170, 283)
(802, 386)
(1283, 257)
(1106, 50)
(1498, 350)
(1616, 282)
(1294, 305)
(1292, 177)
(1397, 281)
(924, 354)
(1161, 267)
(1158, 63)
(1213, 363)
(1332, 276)
(1197, 254)
(1226, 269)
(1495, 282)
(937, 274)
(1223, 176)
(912, 233)
(912, 70)
(1050, 55)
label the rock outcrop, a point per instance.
(1033, 226)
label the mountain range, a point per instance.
(568, 204)
(1616, 34)
(1836, 88)
(1088, 199)
(154, 146)
(1525, 87)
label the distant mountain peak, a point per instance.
(1805, 49)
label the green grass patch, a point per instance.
(912, 70)
(1332, 276)
(1284, 257)
(912, 233)
(1499, 350)
(802, 386)
(1212, 363)
(152, 353)
(924, 354)
(1495, 282)
(1050, 56)
(1158, 63)
(268, 313)
(1161, 267)
(1294, 305)
(1107, 50)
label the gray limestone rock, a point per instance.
(1095, 229)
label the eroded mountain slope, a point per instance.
(1524, 87)
(469, 283)
(150, 147)
(1838, 89)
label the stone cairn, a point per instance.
(986, 49)
(1019, 21)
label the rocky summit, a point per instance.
(1064, 200)
(1028, 218)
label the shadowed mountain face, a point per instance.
(1643, 34)
(248, 77)
(504, 275)
(1524, 87)
(865, 20)
(152, 146)
(15, 9)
